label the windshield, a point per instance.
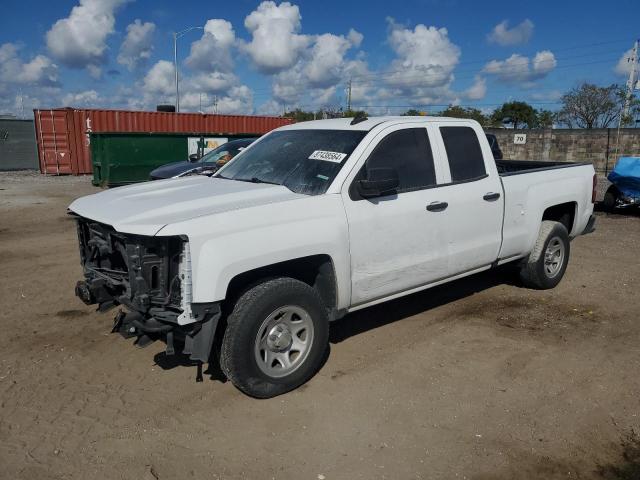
(304, 161)
(225, 151)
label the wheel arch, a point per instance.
(564, 213)
(317, 271)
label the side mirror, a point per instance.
(378, 182)
(194, 157)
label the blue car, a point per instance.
(625, 188)
(209, 163)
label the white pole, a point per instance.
(175, 64)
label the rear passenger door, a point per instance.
(397, 241)
(473, 192)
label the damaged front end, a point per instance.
(151, 277)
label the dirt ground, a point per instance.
(478, 379)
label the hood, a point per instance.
(147, 207)
(172, 169)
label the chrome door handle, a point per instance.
(437, 206)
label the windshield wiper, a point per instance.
(255, 180)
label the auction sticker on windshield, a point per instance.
(335, 157)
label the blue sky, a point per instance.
(263, 57)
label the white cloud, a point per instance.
(623, 67)
(160, 80)
(215, 82)
(327, 62)
(503, 35)
(40, 70)
(79, 40)
(88, 98)
(270, 107)
(213, 50)
(355, 37)
(478, 90)
(239, 100)
(137, 46)
(324, 96)
(543, 63)
(289, 86)
(276, 44)
(520, 69)
(423, 68)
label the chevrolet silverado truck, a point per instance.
(313, 221)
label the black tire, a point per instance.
(610, 199)
(238, 359)
(535, 271)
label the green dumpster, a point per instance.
(123, 158)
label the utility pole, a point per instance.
(349, 97)
(631, 82)
(215, 104)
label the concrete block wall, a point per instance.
(597, 146)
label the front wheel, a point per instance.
(276, 337)
(547, 262)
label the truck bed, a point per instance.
(516, 167)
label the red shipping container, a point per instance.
(62, 134)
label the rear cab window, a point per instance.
(466, 162)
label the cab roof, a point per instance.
(366, 125)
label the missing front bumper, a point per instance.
(194, 340)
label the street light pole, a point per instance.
(176, 36)
(175, 64)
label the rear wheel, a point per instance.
(610, 198)
(276, 337)
(548, 260)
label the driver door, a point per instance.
(398, 241)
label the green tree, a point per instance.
(412, 112)
(299, 115)
(545, 118)
(591, 106)
(456, 111)
(519, 114)
(353, 113)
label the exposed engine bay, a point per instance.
(150, 277)
(139, 272)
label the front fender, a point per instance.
(231, 243)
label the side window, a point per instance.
(463, 151)
(409, 152)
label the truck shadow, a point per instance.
(372, 317)
(392, 311)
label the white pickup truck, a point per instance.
(315, 220)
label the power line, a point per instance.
(475, 62)
(407, 84)
(508, 68)
(378, 74)
(376, 79)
